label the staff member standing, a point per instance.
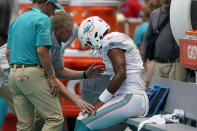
(63, 24)
(165, 51)
(32, 78)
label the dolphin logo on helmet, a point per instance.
(89, 27)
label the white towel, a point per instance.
(162, 119)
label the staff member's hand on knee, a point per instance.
(84, 106)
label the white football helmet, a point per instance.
(91, 32)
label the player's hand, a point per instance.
(94, 71)
(54, 86)
(84, 106)
(97, 105)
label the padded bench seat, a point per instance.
(182, 95)
(159, 127)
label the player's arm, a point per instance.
(117, 58)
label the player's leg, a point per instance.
(115, 111)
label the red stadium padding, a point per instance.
(188, 53)
(69, 109)
(24, 7)
(81, 63)
(10, 122)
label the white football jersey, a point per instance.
(134, 65)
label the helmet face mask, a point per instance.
(91, 32)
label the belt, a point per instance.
(161, 60)
(24, 66)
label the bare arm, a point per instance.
(81, 104)
(45, 59)
(65, 73)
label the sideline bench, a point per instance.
(182, 95)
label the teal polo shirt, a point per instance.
(26, 33)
